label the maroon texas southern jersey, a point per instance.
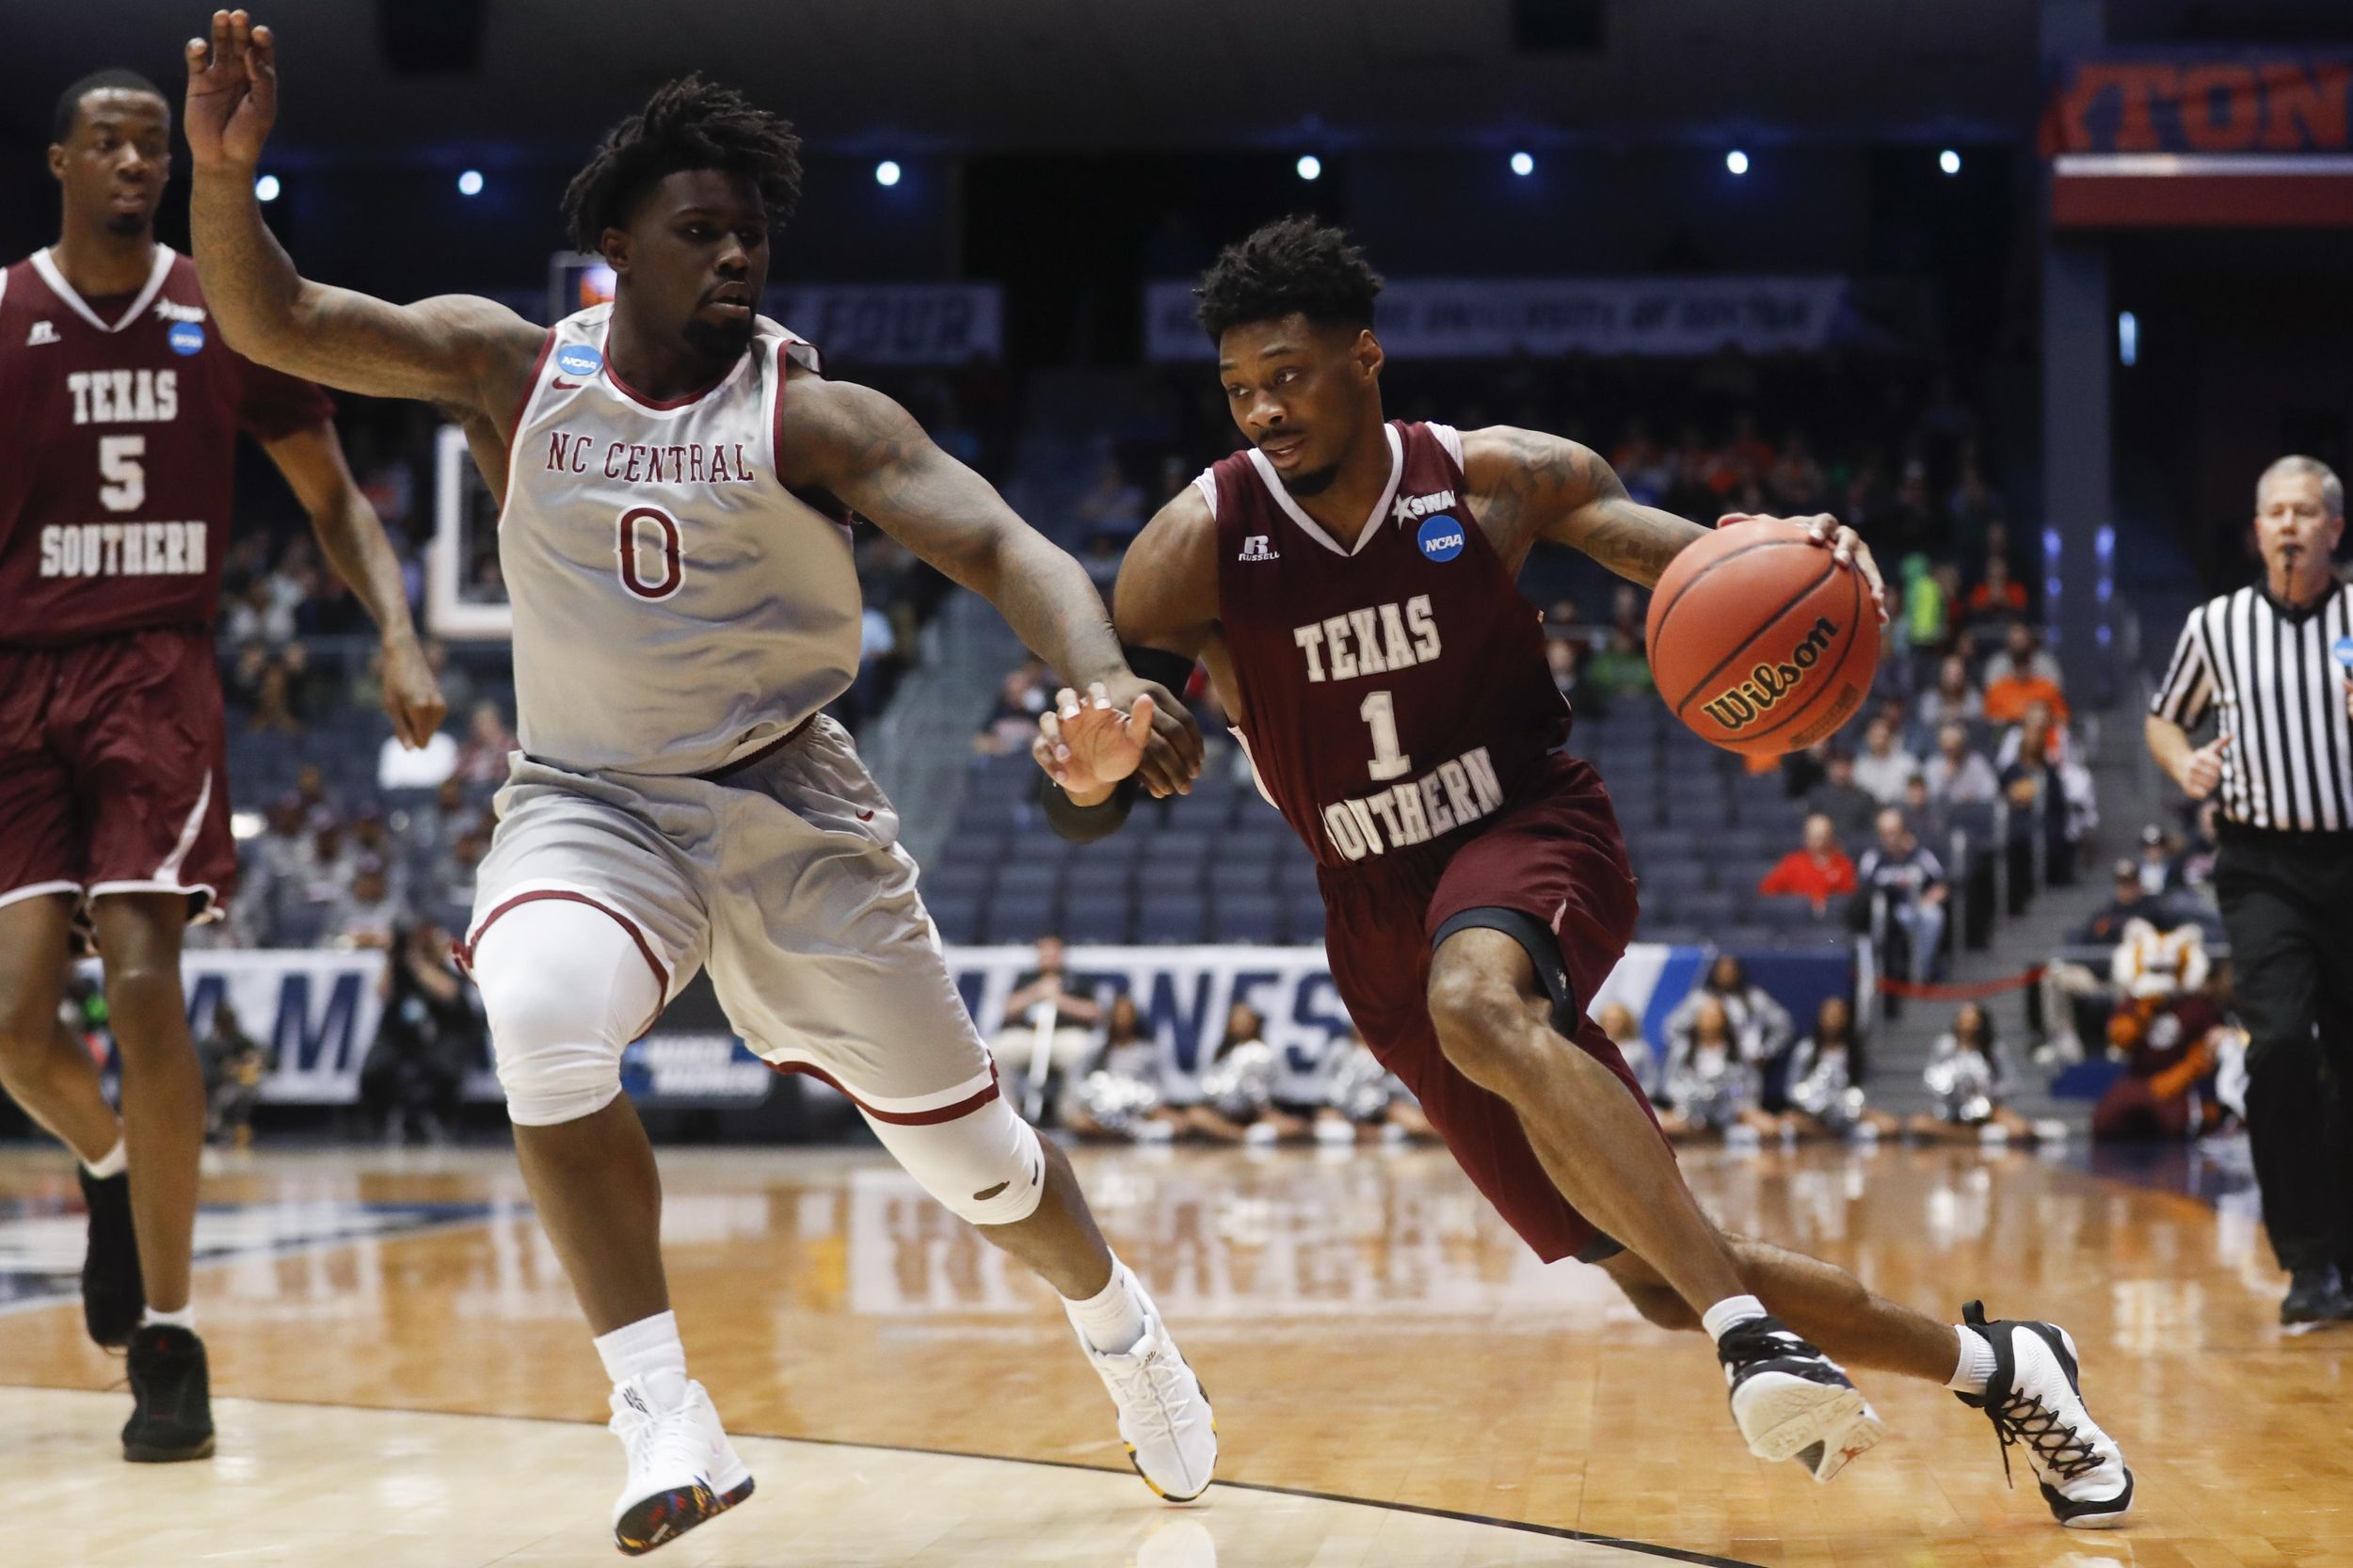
(1395, 695)
(121, 417)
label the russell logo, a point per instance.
(186, 338)
(1767, 684)
(579, 360)
(1441, 537)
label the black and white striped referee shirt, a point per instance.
(2276, 679)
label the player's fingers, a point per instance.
(1139, 720)
(1177, 724)
(1167, 764)
(1097, 697)
(1067, 703)
(1822, 528)
(2221, 744)
(262, 65)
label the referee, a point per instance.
(2275, 664)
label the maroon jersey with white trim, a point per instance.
(121, 417)
(1393, 695)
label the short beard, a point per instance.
(719, 344)
(1313, 483)
(127, 224)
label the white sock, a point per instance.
(1976, 1362)
(1730, 1314)
(1111, 1319)
(112, 1163)
(649, 1351)
(182, 1317)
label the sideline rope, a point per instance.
(1967, 991)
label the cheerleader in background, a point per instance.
(1365, 1101)
(1971, 1076)
(1826, 1073)
(1237, 1103)
(1617, 1020)
(1711, 1083)
(1119, 1096)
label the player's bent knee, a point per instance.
(1478, 1019)
(987, 1167)
(565, 989)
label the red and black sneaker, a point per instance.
(171, 1388)
(113, 1295)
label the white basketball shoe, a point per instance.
(2035, 1400)
(1791, 1401)
(1165, 1417)
(682, 1470)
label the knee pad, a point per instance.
(987, 1166)
(565, 988)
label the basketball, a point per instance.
(1760, 641)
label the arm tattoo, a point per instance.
(1559, 490)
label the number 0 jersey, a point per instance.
(676, 607)
(118, 420)
(1393, 696)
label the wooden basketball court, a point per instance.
(402, 1379)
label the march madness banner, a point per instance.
(2285, 101)
(317, 1010)
(1488, 318)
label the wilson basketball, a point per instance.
(1760, 641)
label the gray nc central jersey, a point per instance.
(675, 606)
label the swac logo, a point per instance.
(579, 360)
(1408, 507)
(1440, 537)
(172, 310)
(186, 338)
(1767, 684)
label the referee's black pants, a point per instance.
(2287, 903)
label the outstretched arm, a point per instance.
(1527, 486)
(352, 536)
(870, 451)
(470, 354)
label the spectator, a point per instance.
(1925, 613)
(1120, 1096)
(372, 840)
(2156, 859)
(1762, 1023)
(1617, 1022)
(1848, 807)
(1049, 1022)
(233, 1066)
(449, 882)
(2038, 802)
(431, 830)
(1996, 602)
(1952, 700)
(257, 616)
(1826, 1074)
(1567, 658)
(431, 1035)
(1927, 817)
(1904, 882)
(324, 869)
(1816, 872)
(1364, 1099)
(366, 914)
(1238, 1091)
(1111, 504)
(1641, 466)
(273, 702)
(1957, 776)
(2193, 869)
(1712, 1086)
(1969, 1074)
(1014, 720)
(483, 758)
(1618, 671)
(2022, 653)
(2020, 685)
(1884, 766)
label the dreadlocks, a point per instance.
(689, 123)
(1293, 263)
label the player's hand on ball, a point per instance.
(413, 698)
(232, 92)
(1845, 545)
(1086, 745)
(2202, 772)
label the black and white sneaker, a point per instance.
(2035, 1400)
(2315, 1296)
(113, 1295)
(171, 1389)
(1791, 1401)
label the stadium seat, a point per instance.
(1171, 918)
(1303, 918)
(1246, 918)
(955, 878)
(1020, 917)
(1017, 876)
(957, 914)
(1096, 917)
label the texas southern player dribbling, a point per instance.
(681, 616)
(1350, 585)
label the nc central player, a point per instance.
(1350, 584)
(119, 409)
(681, 614)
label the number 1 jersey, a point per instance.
(1395, 695)
(118, 419)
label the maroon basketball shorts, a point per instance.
(1550, 871)
(113, 770)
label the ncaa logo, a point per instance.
(579, 360)
(1440, 536)
(186, 338)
